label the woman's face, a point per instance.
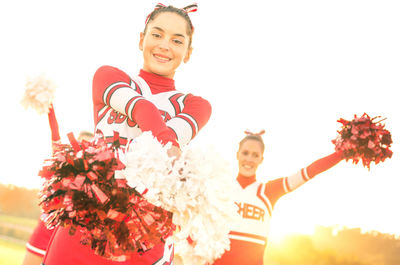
(165, 44)
(249, 156)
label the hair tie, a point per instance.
(158, 6)
(190, 8)
(255, 134)
(187, 9)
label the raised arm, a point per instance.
(278, 187)
(55, 134)
(313, 169)
(194, 115)
(113, 87)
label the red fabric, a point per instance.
(149, 118)
(274, 190)
(198, 108)
(55, 135)
(243, 252)
(245, 181)
(323, 164)
(107, 80)
(195, 106)
(65, 249)
(145, 113)
(157, 83)
(39, 239)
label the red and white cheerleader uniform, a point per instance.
(147, 102)
(40, 237)
(255, 202)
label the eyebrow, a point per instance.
(176, 34)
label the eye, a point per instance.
(156, 35)
(255, 155)
(245, 153)
(178, 42)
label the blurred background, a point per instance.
(290, 67)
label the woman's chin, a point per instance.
(246, 173)
(162, 71)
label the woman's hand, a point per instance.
(174, 151)
(177, 260)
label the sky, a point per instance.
(290, 67)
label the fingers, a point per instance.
(174, 151)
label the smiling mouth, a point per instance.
(247, 166)
(161, 59)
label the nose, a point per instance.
(164, 44)
(248, 160)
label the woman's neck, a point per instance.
(245, 181)
(157, 83)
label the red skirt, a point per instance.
(65, 249)
(39, 239)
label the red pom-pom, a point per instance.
(81, 193)
(364, 139)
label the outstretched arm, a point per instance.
(55, 134)
(313, 169)
(278, 187)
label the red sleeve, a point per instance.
(305, 174)
(323, 164)
(198, 108)
(194, 115)
(276, 188)
(112, 87)
(273, 190)
(55, 135)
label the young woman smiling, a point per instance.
(147, 102)
(255, 200)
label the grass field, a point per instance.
(11, 253)
(27, 222)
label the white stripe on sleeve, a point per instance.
(120, 99)
(182, 129)
(295, 180)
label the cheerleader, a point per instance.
(38, 241)
(255, 201)
(146, 102)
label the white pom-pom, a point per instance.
(39, 94)
(210, 211)
(198, 188)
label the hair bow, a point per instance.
(158, 6)
(187, 9)
(256, 134)
(190, 8)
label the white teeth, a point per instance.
(162, 58)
